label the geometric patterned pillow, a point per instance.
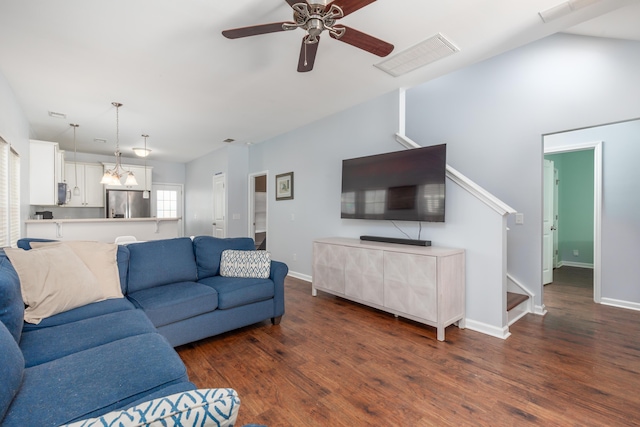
(255, 264)
(204, 407)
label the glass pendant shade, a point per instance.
(76, 191)
(131, 179)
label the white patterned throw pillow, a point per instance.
(254, 264)
(202, 408)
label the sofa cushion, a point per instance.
(208, 251)
(253, 264)
(160, 262)
(84, 312)
(174, 302)
(47, 344)
(11, 305)
(233, 292)
(100, 258)
(53, 280)
(11, 369)
(95, 381)
(203, 407)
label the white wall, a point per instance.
(492, 116)
(14, 129)
(621, 203)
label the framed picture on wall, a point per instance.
(284, 186)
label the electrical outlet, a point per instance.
(519, 218)
(576, 252)
(295, 257)
(293, 217)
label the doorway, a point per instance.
(258, 196)
(596, 148)
(167, 201)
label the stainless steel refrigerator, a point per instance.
(127, 204)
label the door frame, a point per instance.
(596, 146)
(251, 207)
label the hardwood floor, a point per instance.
(336, 363)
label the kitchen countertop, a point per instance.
(90, 220)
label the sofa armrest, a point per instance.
(278, 272)
(203, 407)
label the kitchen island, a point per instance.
(104, 229)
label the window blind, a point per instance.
(14, 197)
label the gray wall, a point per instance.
(14, 129)
(232, 161)
(492, 116)
(621, 204)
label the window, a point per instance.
(9, 195)
(167, 204)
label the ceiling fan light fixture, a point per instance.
(426, 52)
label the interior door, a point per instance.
(259, 210)
(548, 227)
(219, 208)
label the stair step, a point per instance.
(514, 300)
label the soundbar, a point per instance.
(414, 242)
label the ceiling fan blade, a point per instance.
(349, 6)
(364, 41)
(254, 30)
(292, 2)
(307, 56)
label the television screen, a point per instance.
(404, 185)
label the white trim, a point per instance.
(483, 195)
(539, 310)
(300, 276)
(620, 303)
(575, 264)
(474, 325)
(596, 146)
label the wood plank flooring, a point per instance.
(332, 362)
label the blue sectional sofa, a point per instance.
(114, 358)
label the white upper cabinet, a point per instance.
(91, 191)
(45, 172)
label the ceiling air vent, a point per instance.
(228, 140)
(424, 53)
(57, 115)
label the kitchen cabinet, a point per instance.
(46, 170)
(138, 172)
(91, 191)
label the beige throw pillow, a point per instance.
(100, 258)
(53, 280)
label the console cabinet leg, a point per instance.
(440, 333)
(314, 292)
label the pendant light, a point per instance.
(76, 189)
(145, 193)
(113, 176)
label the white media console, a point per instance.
(425, 284)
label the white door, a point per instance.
(219, 208)
(167, 201)
(548, 228)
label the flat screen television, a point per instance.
(406, 185)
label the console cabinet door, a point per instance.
(328, 267)
(364, 275)
(410, 284)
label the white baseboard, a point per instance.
(474, 325)
(300, 276)
(620, 303)
(575, 264)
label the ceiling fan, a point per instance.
(315, 16)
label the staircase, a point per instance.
(517, 306)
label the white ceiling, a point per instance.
(190, 88)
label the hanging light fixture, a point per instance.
(114, 176)
(76, 189)
(145, 193)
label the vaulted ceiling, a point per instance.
(189, 88)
